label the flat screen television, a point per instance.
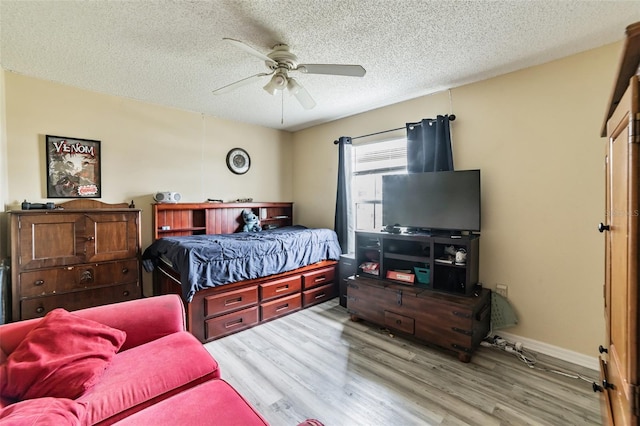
(438, 201)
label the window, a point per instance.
(370, 162)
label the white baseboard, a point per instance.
(554, 351)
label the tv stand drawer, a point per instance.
(399, 322)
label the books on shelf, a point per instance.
(401, 276)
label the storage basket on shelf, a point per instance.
(422, 274)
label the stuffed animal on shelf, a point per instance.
(251, 221)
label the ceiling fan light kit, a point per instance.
(280, 62)
(293, 86)
(277, 82)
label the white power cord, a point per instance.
(528, 358)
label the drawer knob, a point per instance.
(86, 276)
(234, 323)
(39, 310)
(125, 270)
(233, 301)
(91, 238)
(38, 283)
(282, 307)
(602, 227)
(602, 350)
(596, 387)
(125, 293)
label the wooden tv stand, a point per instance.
(454, 322)
(438, 302)
(404, 252)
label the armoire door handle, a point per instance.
(602, 227)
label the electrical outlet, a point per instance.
(501, 289)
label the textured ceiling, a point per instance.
(172, 53)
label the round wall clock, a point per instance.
(238, 161)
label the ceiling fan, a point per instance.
(281, 62)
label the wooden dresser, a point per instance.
(453, 322)
(619, 359)
(83, 253)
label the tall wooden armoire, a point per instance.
(619, 356)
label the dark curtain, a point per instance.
(343, 218)
(429, 145)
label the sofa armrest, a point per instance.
(143, 320)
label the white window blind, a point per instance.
(371, 162)
(380, 156)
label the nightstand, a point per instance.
(346, 268)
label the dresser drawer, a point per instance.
(229, 301)
(39, 306)
(281, 306)
(438, 314)
(319, 277)
(230, 323)
(318, 294)
(281, 287)
(449, 337)
(399, 322)
(61, 280)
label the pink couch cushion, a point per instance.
(43, 412)
(143, 320)
(214, 402)
(148, 373)
(62, 356)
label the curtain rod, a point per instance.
(451, 117)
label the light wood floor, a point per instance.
(316, 363)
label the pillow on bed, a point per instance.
(62, 356)
(43, 412)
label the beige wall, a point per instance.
(535, 136)
(145, 148)
(534, 133)
(4, 177)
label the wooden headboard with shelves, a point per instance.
(183, 219)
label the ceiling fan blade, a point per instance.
(297, 90)
(241, 45)
(239, 83)
(333, 69)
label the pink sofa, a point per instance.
(153, 373)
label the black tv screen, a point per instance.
(432, 200)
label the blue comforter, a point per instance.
(205, 261)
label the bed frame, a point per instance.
(227, 309)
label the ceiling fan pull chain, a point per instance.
(282, 109)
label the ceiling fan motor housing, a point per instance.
(283, 58)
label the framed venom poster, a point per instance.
(73, 167)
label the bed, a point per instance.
(230, 280)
